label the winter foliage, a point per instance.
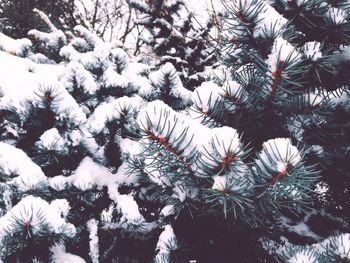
(233, 151)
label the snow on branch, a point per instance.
(92, 225)
(167, 243)
(119, 110)
(208, 105)
(90, 37)
(163, 126)
(167, 81)
(17, 47)
(53, 40)
(76, 76)
(18, 169)
(45, 18)
(60, 255)
(34, 218)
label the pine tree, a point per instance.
(106, 159)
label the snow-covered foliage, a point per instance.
(60, 255)
(39, 220)
(278, 154)
(175, 36)
(53, 40)
(18, 169)
(93, 227)
(166, 243)
(18, 47)
(103, 154)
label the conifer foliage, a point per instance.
(175, 36)
(17, 17)
(106, 159)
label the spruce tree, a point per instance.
(288, 61)
(105, 159)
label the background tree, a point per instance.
(18, 17)
(111, 20)
(174, 37)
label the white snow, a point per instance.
(103, 113)
(164, 123)
(167, 242)
(225, 141)
(301, 228)
(278, 154)
(303, 257)
(220, 183)
(58, 182)
(129, 209)
(69, 53)
(131, 216)
(52, 40)
(130, 147)
(63, 104)
(206, 96)
(158, 121)
(311, 253)
(107, 214)
(282, 51)
(18, 47)
(314, 99)
(15, 89)
(113, 110)
(183, 192)
(233, 181)
(342, 99)
(160, 81)
(154, 174)
(81, 136)
(344, 246)
(59, 255)
(25, 174)
(6, 198)
(34, 212)
(312, 50)
(301, 2)
(270, 22)
(45, 18)
(90, 174)
(51, 140)
(90, 37)
(124, 176)
(120, 58)
(232, 92)
(167, 210)
(206, 99)
(75, 72)
(220, 151)
(92, 226)
(112, 79)
(145, 87)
